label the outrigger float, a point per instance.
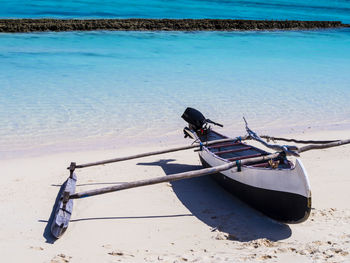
(269, 182)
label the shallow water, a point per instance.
(79, 90)
(235, 9)
(75, 89)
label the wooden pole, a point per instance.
(294, 140)
(191, 174)
(323, 146)
(151, 153)
(170, 178)
(287, 149)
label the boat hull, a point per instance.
(281, 205)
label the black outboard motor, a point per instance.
(194, 118)
(197, 122)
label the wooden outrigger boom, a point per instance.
(171, 178)
(64, 206)
(136, 156)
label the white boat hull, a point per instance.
(283, 194)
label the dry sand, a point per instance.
(186, 221)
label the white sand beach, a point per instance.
(192, 220)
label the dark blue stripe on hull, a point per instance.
(281, 206)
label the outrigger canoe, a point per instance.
(278, 187)
(271, 183)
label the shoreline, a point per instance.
(134, 24)
(170, 139)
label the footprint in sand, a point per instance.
(60, 258)
(36, 248)
(119, 253)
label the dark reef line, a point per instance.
(36, 25)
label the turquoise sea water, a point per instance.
(238, 9)
(71, 88)
(78, 90)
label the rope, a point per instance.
(239, 165)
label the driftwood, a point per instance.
(173, 177)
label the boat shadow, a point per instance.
(220, 210)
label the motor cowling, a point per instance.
(197, 122)
(195, 118)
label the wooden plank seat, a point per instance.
(244, 157)
(224, 145)
(234, 150)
